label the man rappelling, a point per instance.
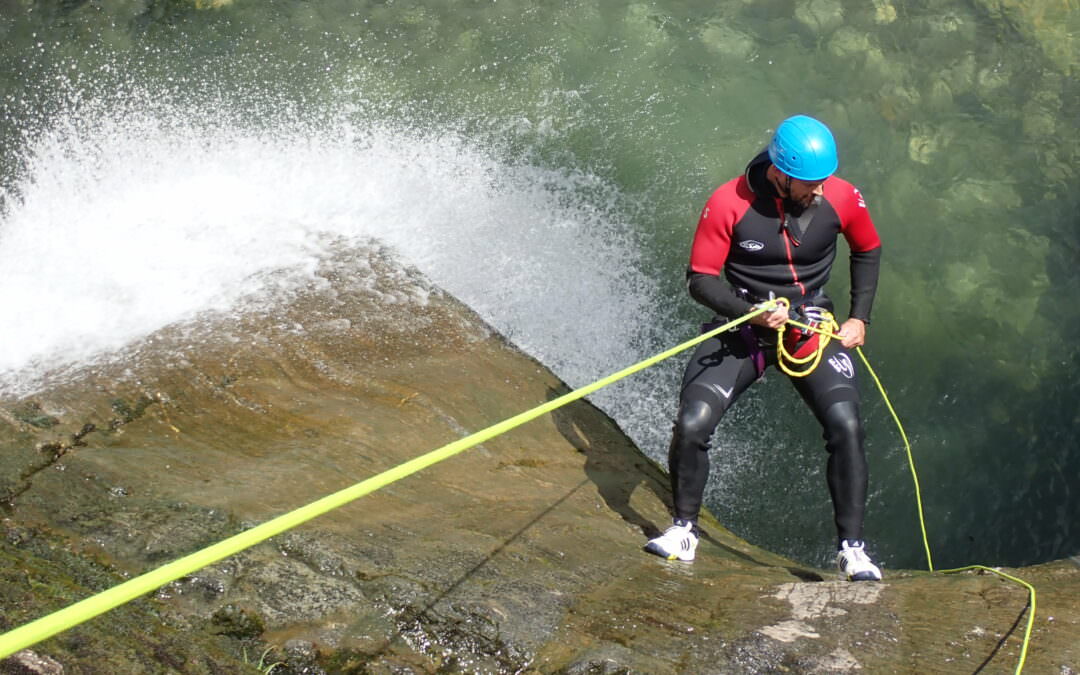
(771, 233)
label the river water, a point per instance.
(545, 162)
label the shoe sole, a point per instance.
(864, 576)
(656, 550)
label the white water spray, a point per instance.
(126, 222)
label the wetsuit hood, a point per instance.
(756, 178)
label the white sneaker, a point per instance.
(678, 542)
(853, 561)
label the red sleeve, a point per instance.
(855, 223)
(712, 240)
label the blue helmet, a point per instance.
(804, 149)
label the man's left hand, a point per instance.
(852, 333)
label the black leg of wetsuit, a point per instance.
(832, 392)
(718, 372)
(688, 456)
(847, 469)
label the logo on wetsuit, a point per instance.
(751, 245)
(841, 363)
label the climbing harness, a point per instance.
(823, 324)
(84, 610)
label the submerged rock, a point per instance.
(1051, 24)
(522, 555)
(884, 12)
(848, 43)
(820, 16)
(721, 38)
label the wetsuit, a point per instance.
(749, 243)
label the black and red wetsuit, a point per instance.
(750, 245)
(746, 233)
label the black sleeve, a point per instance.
(865, 266)
(716, 294)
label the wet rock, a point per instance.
(521, 555)
(302, 656)
(31, 412)
(27, 662)
(237, 622)
(43, 574)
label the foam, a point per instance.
(131, 217)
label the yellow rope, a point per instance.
(910, 458)
(1031, 606)
(783, 356)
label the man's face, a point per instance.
(803, 192)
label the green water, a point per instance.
(957, 121)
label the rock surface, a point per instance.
(522, 555)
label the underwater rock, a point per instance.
(938, 97)
(960, 75)
(897, 102)
(1053, 25)
(926, 141)
(871, 16)
(1040, 115)
(884, 12)
(951, 24)
(720, 38)
(847, 42)
(644, 25)
(992, 79)
(820, 16)
(882, 67)
(973, 194)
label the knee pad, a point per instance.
(843, 428)
(696, 421)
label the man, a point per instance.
(772, 233)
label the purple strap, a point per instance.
(748, 336)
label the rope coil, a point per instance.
(784, 357)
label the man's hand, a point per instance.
(773, 319)
(852, 333)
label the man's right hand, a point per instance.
(772, 320)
